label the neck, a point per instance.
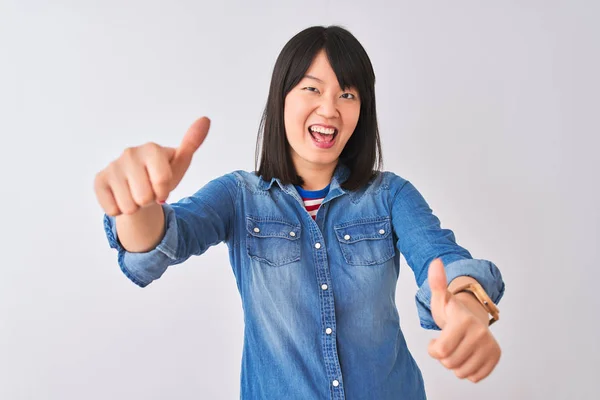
(315, 177)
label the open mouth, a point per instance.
(323, 137)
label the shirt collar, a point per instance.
(341, 173)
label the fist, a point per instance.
(146, 174)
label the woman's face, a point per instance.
(319, 117)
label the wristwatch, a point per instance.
(484, 299)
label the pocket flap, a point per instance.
(365, 229)
(264, 227)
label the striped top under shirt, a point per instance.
(312, 199)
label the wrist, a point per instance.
(469, 300)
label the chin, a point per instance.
(324, 161)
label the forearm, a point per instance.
(142, 231)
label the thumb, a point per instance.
(193, 138)
(181, 157)
(440, 296)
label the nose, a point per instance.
(327, 107)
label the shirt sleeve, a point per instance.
(192, 225)
(421, 239)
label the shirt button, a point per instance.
(324, 286)
(256, 230)
(347, 237)
(317, 245)
(293, 234)
(328, 331)
(335, 383)
(381, 231)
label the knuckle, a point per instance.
(130, 209)
(99, 180)
(99, 176)
(144, 198)
(163, 177)
(112, 176)
(469, 319)
(481, 332)
(443, 350)
(129, 154)
(432, 353)
(460, 374)
(152, 146)
(111, 169)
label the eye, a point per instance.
(352, 96)
(311, 89)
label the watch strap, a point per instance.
(477, 290)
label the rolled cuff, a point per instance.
(145, 267)
(483, 271)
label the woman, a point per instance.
(314, 238)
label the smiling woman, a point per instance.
(315, 236)
(319, 119)
(323, 78)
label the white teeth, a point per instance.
(320, 129)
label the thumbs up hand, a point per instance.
(466, 345)
(146, 174)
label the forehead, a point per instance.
(321, 71)
(320, 68)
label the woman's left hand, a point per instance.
(466, 344)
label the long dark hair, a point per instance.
(352, 67)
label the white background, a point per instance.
(490, 108)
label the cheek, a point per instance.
(295, 114)
(352, 115)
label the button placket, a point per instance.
(332, 365)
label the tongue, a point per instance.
(322, 138)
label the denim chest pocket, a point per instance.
(272, 241)
(368, 241)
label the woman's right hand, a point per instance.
(146, 174)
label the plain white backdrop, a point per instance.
(489, 108)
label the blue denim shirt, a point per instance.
(318, 295)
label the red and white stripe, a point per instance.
(312, 206)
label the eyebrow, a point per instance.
(320, 81)
(314, 77)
